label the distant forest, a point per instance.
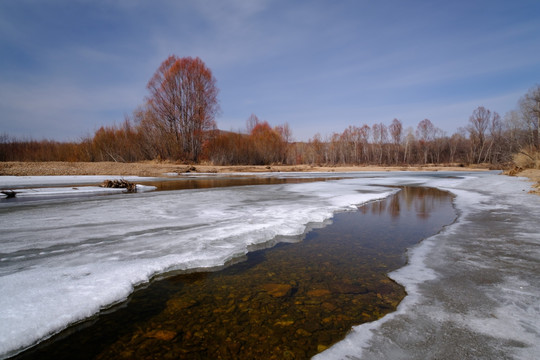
(177, 123)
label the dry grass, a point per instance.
(153, 168)
(527, 164)
(534, 176)
(527, 159)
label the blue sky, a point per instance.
(69, 66)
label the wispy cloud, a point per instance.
(62, 110)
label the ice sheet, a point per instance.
(74, 191)
(15, 182)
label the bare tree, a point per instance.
(409, 141)
(440, 143)
(183, 97)
(515, 131)
(396, 132)
(495, 141)
(380, 137)
(425, 132)
(364, 134)
(457, 145)
(477, 128)
(530, 111)
(318, 147)
(285, 134)
(251, 122)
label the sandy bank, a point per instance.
(158, 169)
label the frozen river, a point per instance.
(473, 289)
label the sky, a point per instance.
(68, 67)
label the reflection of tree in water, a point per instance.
(394, 207)
(378, 207)
(422, 200)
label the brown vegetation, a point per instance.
(527, 164)
(176, 124)
(487, 140)
(527, 159)
(534, 176)
(180, 109)
(262, 145)
(120, 184)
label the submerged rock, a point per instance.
(318, 292)
(165, 335)
(278, 290)
(346, 288)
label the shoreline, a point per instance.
(160, 169)
(154, 169)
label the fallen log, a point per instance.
(9, 193)
(120, 184)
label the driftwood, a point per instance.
(120, 184)
(9, 193)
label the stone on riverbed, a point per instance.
(278, 290)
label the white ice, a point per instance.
(62, 261)
(14, 182)
(35, 186)
(74, 191)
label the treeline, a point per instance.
(488, 138)
(380, 144)
(13, 149)
(259, 145)
(140, 139)
(177, 123)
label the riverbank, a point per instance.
(159, 168)
(534, 176)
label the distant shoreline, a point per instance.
(161, 168)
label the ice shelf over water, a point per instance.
(63, 260)
(74, 191)
(473, 289)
